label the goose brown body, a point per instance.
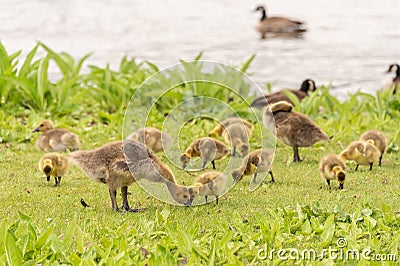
(264, 100)
(54, 164)
(332, 167)
(55, 139)
(277, 24)
(292, 128)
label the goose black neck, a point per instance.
(264, 15)
(305, 86)
(397, 74)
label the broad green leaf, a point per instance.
(27, 65)
(44, 237)
(328, 231)
(13, 254)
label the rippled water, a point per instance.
(350, 43)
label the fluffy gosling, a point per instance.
(108, 165)
(264, 100)
(54, 164)
(153, 138)
(209, 184)
(292, 128)
(332, 167)
(208, 149)
(378, 140)
(362, 152)
(236, 135)
(220, 128)
(55, 139)
(258, 161)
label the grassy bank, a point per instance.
(48, 225)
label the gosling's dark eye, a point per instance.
(41, 125)
(185, 196)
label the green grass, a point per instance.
(46, 225)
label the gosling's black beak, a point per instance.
(188, 204)
(36, 130)
(48, 178)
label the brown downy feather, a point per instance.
(55, 139)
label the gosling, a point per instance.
(264, 100)
(54, 164)
(209, 184)
(377, 138)
(332, 167)
(55, 139)
(153, 138)
(220, 128)
(108, 165)
(362, 152)
(236, 135)
(208, 149)
(292, 128)
(258, 161)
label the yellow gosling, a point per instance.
(258, 161)
(209, 184)
(332, 167)
(236, 135)
(54, 164)
(362, 152)
(208, 149)
(378, 139)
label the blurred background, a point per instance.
(349, 43)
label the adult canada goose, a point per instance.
(221, 127)
(264, 100)
(395, 70)
(362, 152)
(277, 24)
(377, 138)
(153, 138)
(55, 139)
(208, 149)
(258, 161)
(209, 184)
(292, 128)
(332, 167)
(54, 164)
(114, 163)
